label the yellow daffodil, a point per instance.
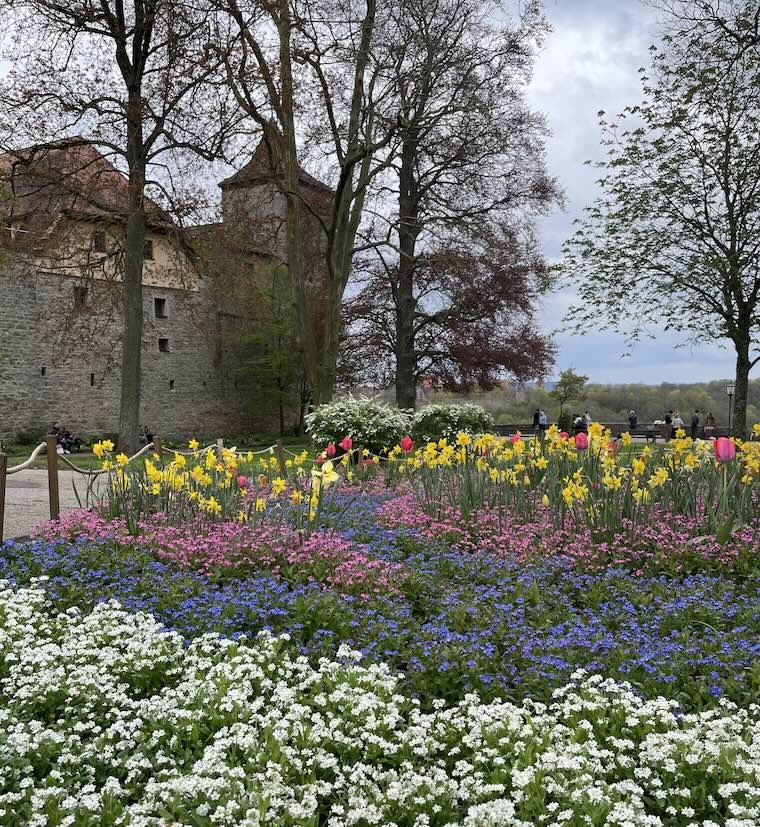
(213, 506)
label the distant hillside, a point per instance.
(611, 403)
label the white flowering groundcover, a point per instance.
(106, 719)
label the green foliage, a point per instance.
(570, 387)
(435, 421)
(369, 422)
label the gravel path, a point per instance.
(26, 499)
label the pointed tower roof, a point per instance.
(261, 169)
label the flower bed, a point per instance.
(108, 720)
(454, 621)
(560, 632)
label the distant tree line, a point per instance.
(612, 403)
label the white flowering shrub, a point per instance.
(105, 719)
(369, 422)
(435, 421)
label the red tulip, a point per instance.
(724, 449)
(346, 443)
(407, 443)
(242, 481)
(319, 459)
(515, 438)
(331, 450)
(581, 441)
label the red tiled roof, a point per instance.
(71, 176)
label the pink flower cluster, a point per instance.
(324, 558)
(669, 542)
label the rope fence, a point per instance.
(50, 448)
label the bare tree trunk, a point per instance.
(408, 230)
(131, 353)
(743, 366)
(293, 207)
(347, 210)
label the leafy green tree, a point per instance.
(674, 240)
(569, 387)
(272, 362)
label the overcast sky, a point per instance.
(590, 62)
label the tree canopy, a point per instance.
(673, 243)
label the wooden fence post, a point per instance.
(52, 466)
(3, 478)
(281, 457)
(219, 447)
(157, 449)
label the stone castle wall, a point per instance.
(60, 352)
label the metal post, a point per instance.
(730, 411)
(52, 466)
(3, 478)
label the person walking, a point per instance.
(695, 423)
(709, 425)
(678, 423)
(536, 418)
(633, 421)
(668, 429)
(543, 423)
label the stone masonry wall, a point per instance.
(59, 360)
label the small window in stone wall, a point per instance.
(163, 345)
(159, 306)
(99, 241)
(92, 380)
(171, 384)
(43, 371)
(80, 295)
(148, 250)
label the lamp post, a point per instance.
(730, 394)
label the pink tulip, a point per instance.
(407, 443)
(724, 449)
(563, 435)
(346, 443)
(581, 441)
(515, 438)
(242, 481)
(319, 459)
(331, 450)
